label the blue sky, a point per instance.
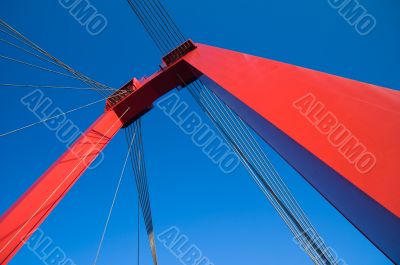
(226, 216)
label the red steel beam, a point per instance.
(341, 135)
(283, 93)
(25, 216)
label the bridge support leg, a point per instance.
(341, 135)
(25, 216)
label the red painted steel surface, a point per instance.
(150, 89)
(296, 99)
(21, 220)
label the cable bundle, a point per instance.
(167, 36)
(133, 134)
(158, 24)
(43, 55)
(241, 140)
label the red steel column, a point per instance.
(24, 217)
(341, 135)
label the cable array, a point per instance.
(133, 133)
(28, 47)
(158, 24)
(52, 87)
(110, 211)
(239, 137)
(59, 115)
(166, 35)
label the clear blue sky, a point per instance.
(226, 216)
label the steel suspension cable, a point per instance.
(46, 60)
(226, 133)
(148, 28)
(230, 117)
(143, 194)
(155, 21)
(310, 242)
(27, 51)
(77, 77)
(56, 116)
(18, 36)
(138, 231)
(43, 86)
(176, 37)
(112, 205)
(308, 230)
(256, 150)
(12, 59)
(146, 194)
(139, 168)
(169, 21)
(168, 28)
(130, 137)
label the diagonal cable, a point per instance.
(112, 204)
(134, 132)
(7, 29)
(263, 173)
(37, 66)
(55, 116)
(46, 86)
(18, 36)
